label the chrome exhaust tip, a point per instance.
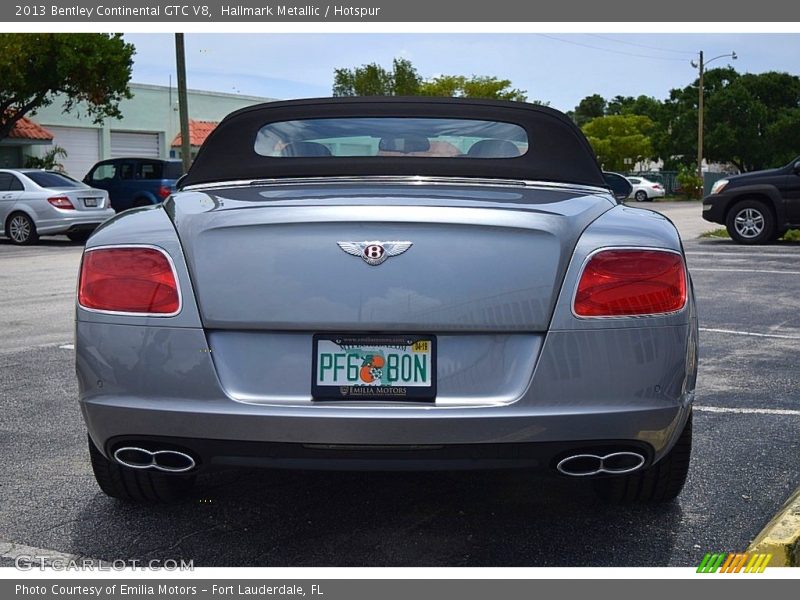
(168, 461)
(615, 463)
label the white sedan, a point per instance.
(35, 202)
(644, 189)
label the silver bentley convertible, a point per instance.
(362, 283)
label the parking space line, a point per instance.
(67, 346)
(750, 333)
(748, 411)
(736, 255)
(14, 551)
(692, 269)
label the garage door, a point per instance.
(82, 145)
(128, 143)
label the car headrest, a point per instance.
(404, 144)
(493, 149)
(305, 150)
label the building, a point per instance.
(150, 122)
(22, 142)
(198, 132)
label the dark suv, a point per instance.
(756, 207)
(135, 181)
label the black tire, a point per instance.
(21, 229)
(661, 482)
(751, 222)
(133, 485)
(79, 237)
(640, 196)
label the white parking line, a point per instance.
(751, 333)
(736, 255)
(30, 553)
(748, 411)
(692, 269)
(67, 346)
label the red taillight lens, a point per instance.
(657, 186)
(619, 283)
(135, 280)
(61, 202)
(164, 191)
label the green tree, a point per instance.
(589, 108)
(620, 140)
(404, 80)
(374, 80)
(50, 159)
(90, 71)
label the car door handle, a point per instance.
(6, 196)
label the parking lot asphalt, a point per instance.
(744, 464)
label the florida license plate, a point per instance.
(374, 367)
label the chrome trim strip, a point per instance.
(399, 179)
(125, 313)
(603, 249)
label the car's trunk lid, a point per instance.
(483, 258)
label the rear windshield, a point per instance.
(47, 179)
(172, 170)
(391, 136)
(153, 169)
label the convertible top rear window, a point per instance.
(440, 137)
(391, 136)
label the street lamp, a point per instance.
(700, 65)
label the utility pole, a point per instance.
(700, 121)
(183, 102)
(701, 67)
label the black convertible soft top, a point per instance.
(556, 149)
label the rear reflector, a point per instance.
(618, 283)
(61, 202)
(128, 279)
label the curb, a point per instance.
(781, 536)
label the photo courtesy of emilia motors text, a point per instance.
(387, 300)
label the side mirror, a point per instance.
(619, 185)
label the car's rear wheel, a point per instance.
(660, 482)
(641, 196)
(135, 485)
(751, 222)
(21, 229)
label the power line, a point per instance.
(610, 39)
(552, 37)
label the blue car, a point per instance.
(132, 182)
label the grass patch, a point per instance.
(793, 235)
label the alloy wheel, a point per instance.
(749, 223)
(19, 229)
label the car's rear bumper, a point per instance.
(75, 220)
(143, 382)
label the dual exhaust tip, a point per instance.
(615, 463)
(168, 461)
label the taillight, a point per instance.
(129, 280)
(657, 186)
(618, 283)
(164, 191)
(61, 202)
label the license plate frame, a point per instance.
(91, 202)
(363, 392)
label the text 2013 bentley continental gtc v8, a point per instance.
(389, 283)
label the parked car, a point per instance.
(644, 189)
(387, 283)
(134, 182)
(34, 202)
(757, 207)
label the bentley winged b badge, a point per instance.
(375, 252)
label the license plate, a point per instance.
(90, 202)
(373, 367)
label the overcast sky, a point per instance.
(559, 68)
